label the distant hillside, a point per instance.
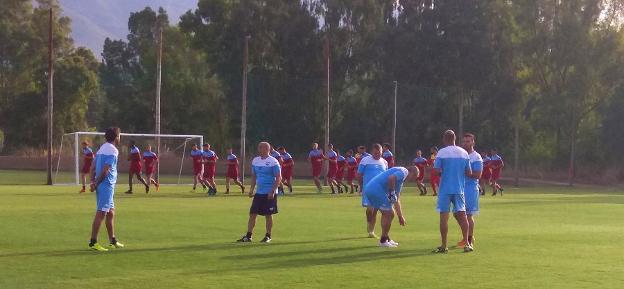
(94, 20)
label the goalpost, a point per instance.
(171, 167)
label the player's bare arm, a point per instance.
(253, 185)
(278, 181)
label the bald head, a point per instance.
(376, 151)
(264, 148)
(448, 138)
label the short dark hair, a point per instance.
(362, 148)
(111, 133)
(470, 135)
(281, 148)
(387, 145)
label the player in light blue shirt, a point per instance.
(370, 167)
(103, 180)
(383, 193)
(265, 178)
(453, 165)
(472, 185)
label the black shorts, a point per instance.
(261, 205)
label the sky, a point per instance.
(94, 20)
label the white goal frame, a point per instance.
(76, 140)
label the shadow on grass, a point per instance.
(130, 250)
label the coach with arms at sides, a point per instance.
(265, 179)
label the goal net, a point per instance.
(174, 165)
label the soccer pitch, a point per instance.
(530, 238)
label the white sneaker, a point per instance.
(387, 245)
(372, 235)
(393, 243)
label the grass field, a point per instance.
(530, 238)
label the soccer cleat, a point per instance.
(387, 244)
(116, 245)
(396, 244)
(244, 239)
(129, 192)
(266, 239)
(440, 250)
(468, 248)
(97, 247)
(372, 235)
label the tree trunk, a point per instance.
(572, 164)
(517, 153)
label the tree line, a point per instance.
(541, 76)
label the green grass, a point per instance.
(530, 238)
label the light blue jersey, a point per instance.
(472, 184)
(453, 163)
(266, 171)
(377, 191)
(106, 155)
(368, 169)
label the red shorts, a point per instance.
(350, 175)
(331, 172)
(287, 173)
(495, 175)
(435, 179)
(340, 175)
(86, 167)
(135, 168)
(316, 170)
(232, 172)
(209, 172)
(197, 170)
(149, 170)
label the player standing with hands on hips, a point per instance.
(265, 178)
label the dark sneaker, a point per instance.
(129, 192)
(266, 239)
(244, 239)
(440, 250)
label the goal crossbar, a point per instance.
(78, 134)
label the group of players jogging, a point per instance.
(458, 175)
(341, 169)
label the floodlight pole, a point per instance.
(461, 113)
(394, 119)
(50, 99)
(328, 103)
(158, 87)
(244, 108)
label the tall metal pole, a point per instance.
(328, 105)
(244, 108)
(461, 113)
(394, 119)
(158, 87)
(50, 98)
